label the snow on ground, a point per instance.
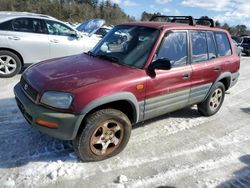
(179, 149)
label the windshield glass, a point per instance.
(90, 26)
(128, 45)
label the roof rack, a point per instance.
(183, 19)
(210, 21)
(172, 19)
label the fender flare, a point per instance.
(127, 96)
(222, 76)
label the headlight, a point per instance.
(57, 99)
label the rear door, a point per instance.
(63, 40)
(206, 65)
(29, 37)
(4, 28)
(169, 89)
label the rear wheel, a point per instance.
(10, 64)
(106, 133)
(214, 100)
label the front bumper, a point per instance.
(68, 124)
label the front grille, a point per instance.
(22, 109)
(31, 92)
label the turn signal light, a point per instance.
(140, 87)
(47, 123)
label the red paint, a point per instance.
(89, 78)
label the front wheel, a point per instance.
(214, 100)
(106, 133)
(10, 64)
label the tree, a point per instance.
(217, 23)
(69, 10)
(146, 16)
(203, 21)
(241, 29)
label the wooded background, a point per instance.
(70, 10)
(80, 10)
(233, 30)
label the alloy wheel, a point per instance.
(215, 99)
(8, 65)
(106, 138)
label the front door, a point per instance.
(63, 40)
(169, 89)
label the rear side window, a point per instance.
(174, 48)
(211, 45)
(223, 45)
(29, 25)
(199, 47)
(5, 26)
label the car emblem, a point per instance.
(26, 86)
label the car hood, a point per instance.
(69, 73)
(90, 26)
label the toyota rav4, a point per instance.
(138, 71)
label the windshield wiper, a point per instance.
(107, 57)
(90, 53)
(103, 56)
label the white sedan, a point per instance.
(27, 38)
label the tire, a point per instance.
(106, 133)
(10, 64)
(214, 100)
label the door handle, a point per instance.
(186, 76)
(14, 38)
(216, 69)
(54, 40)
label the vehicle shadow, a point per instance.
(21, 144)
(187, 112)
(241, 177)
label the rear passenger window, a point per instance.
(5, 26)
(223, 45)
(29, 25)
(174, 48)
(199, 47)
(211, 46)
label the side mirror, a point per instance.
(76, 35)
(161, 64)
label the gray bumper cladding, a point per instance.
(68, 124)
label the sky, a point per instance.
(233, 12)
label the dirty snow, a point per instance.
(179, 149)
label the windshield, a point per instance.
(127, 45)
(90, 26)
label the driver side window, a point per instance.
(56, 28)
(174, 48)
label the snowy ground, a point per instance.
(180, 149)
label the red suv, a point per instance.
(136, 72)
